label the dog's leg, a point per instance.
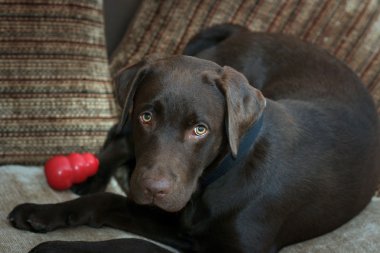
(102, 209)
(115, 152)
(112, 246)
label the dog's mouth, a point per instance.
(162, 203)
(170, 203)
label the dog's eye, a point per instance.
(146, 117)
(200, 130)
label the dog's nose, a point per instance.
(157, 187)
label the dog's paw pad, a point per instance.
(37, 226)
(19, 215)
(28, 217)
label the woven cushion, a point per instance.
(359, 235)
(16, 189)
(350, 30)
(55, 89)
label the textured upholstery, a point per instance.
(55, 89)
(27, 184)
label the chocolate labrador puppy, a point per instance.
(278, 146)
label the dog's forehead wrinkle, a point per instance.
(188, 110)
(180, 79)
(186, 90)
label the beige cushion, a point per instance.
(20, 184)
(27, 184)
(55, 89)
(360, 235)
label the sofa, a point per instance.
(58, 58)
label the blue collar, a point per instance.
(229, 162)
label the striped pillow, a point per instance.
(55, 90)
(350, 30)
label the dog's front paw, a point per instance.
(32, 217)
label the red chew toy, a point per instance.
(64, 171)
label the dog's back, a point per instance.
(281, 66)
(323, 105)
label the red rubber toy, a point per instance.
(63, 171)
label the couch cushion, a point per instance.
(20, 184)
(27, 184)
(361, 234)
(350, 30)
(55, 88)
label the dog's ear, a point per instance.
(128, 78)
(126, 83)
(244, 103)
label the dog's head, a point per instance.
(183, 111)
